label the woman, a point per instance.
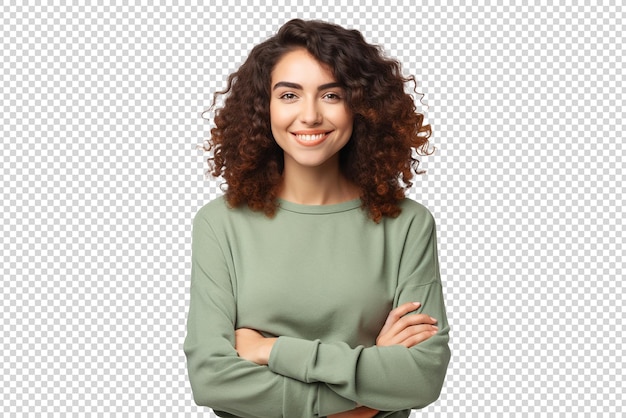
(315, 286)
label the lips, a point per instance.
(310, 138)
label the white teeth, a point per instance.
(310, 137)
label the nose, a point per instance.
(310, 113)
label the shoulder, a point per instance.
(415, 212)
(216, 208)
(415, 222)
(218, 215)
(220, 208)
(215, 214)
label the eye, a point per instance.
(332, 97)
(289, 97)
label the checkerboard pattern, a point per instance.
(101, 177)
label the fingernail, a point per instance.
(434, 327)
(433, 319)
(416, 303)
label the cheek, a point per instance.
(279, 118)
(343, 117)
(346, 120)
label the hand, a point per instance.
(253, 346)
(406, 330)
(360, 412)
(398, 329)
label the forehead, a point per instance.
(300, 66)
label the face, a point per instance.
(309, 116)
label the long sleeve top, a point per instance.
(322, 279)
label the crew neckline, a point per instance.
(319, 209)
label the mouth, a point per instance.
(311, 138)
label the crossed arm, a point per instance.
(399, 329)
(404, 370)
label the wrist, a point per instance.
(266, 350)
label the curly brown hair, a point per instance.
(387, 134)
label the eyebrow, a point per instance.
(299, 87)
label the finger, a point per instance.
(411, 320)
(418, 338)
(389, 336)
(398, 313)
(410, 332)
(409, 336)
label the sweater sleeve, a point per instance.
(384, 378)
(219, 378)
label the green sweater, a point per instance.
(322, 279)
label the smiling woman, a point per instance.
(387, 130)
(315, 287)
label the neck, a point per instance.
(324, 185)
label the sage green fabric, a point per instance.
(322, 279)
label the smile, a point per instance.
(310, 139)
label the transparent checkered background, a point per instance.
(101, 178)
